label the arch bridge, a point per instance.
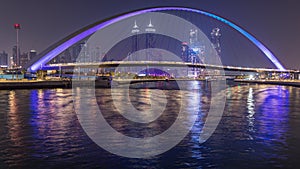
(40, 62)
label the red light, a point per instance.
(17, 26)
(184, 43)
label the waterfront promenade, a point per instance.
(295, 83)
(32, 84)
(62, 83)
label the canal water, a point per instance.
(260, 128)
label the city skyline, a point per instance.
(42, 28)
(149, 84)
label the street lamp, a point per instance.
(17, 26)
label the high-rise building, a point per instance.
(32, 54)
(150, 41)
(185, 52)
(135, 30)
(95, 54)
(15, 58)
(193, 37)
(3, 59)
(24, 58)
(67, 56)
(76, 51)
(135, 45)
(215, 40)
(196, 49)
(150, 30)
(84, 55)
(71, 54)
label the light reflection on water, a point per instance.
(259, 129)
(251, 110)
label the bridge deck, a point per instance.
(159, 63)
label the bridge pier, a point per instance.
(296, 76)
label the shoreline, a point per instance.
(295, 83)
(41, 84)
(33, 84)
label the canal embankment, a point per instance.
(33, 84)
(295, 83)
(59, 83)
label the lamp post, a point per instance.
(17, 26)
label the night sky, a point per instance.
(44, 22)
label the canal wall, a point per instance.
(295, 83)
(33, 84)
(37, 84)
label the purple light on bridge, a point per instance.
(56, 51)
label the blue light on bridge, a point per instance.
(65, 45)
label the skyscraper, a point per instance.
(24, 58)
(32, 54)
(193, 37)
(215, 40)
(17, 27)
(3, 59)
(16, 60)
(76, 50)
(185, 52)
(150, 30)
(196, 49)
(135, 30)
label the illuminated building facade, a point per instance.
(185, 52)
(15, 58)
(24, 58)
(215, 36)
(150, 41)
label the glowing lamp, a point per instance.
(184, 43)
(17, 26)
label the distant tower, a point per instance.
(193, 37)
(196, 49)
(135, 30)
(76, 50)
(215, 40)
(3, 59)
(184, 51)
(32, 54)
(17, 59)
(84, 53)
(150, 30)
(24, 58)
